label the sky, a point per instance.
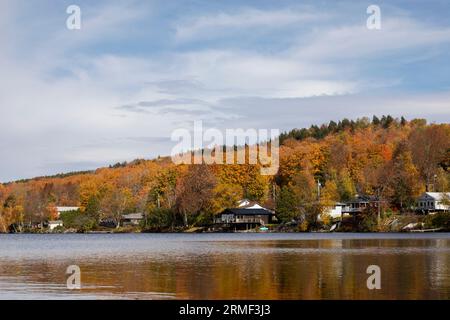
(117, 88)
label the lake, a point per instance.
(225, 266)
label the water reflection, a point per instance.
(224, 266)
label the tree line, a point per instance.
(393, 159)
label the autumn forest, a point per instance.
(393, 159)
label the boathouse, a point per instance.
(247, 215)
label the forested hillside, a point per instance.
(394, 159)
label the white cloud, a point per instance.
(253, 74)
(356, 41)
(59, 104)
(212, 24)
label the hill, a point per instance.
(392, 158)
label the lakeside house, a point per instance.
(107, 223)
(247, 215)
(430, 202)
(361, 203)
(53, 224)
(132, 219)
(336, 210)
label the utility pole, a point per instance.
(274, 194)
(379, 208)
(318, 190)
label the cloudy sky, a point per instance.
(137, 70)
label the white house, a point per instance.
(335, 211)
(132, 219)
(65, 209)
(53, 224)
(433, 201)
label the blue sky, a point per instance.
(137, 70)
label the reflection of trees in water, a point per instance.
(310, 269)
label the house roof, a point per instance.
(247, 207)
(249, 211)
(62, 209)
(248, 204)
(245, 203)
(436, 195)
(133, 216)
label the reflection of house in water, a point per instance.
(439, 262)
(331, 263)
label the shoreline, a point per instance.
(316, 235)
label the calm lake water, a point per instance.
(225, 266)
